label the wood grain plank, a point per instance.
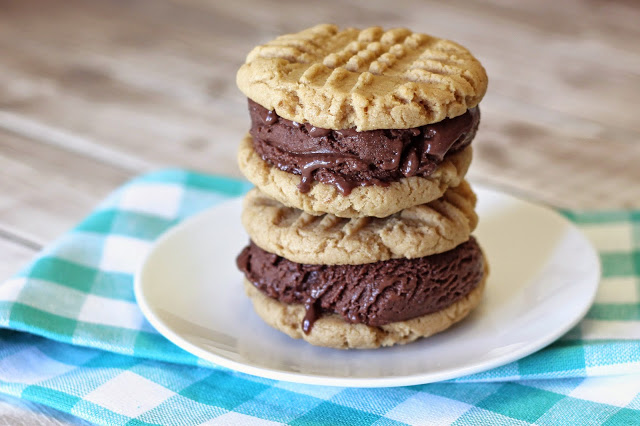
(615, 22)
(155, 80)
(552, 162)
(19, 412)
(45, 190)
(121, 89)
(13, 256)
(152, 83)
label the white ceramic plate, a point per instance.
(544, 275)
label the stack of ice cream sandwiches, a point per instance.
(361, 220)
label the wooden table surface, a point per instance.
(94, 93)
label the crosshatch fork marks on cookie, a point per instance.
(415, 232)
(365, 79)
(397, 52)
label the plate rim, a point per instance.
(357, 382)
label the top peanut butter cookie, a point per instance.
(364, 79)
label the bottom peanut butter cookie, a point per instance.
(372, 200)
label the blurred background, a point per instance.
(93, 93)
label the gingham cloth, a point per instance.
(90, 352)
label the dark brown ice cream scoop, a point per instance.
(374, 293)
(347, 158)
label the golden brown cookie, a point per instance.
(417, 231)
(367, 79)
(332, 331)
(373, 200)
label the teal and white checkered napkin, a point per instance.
(90, 352)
